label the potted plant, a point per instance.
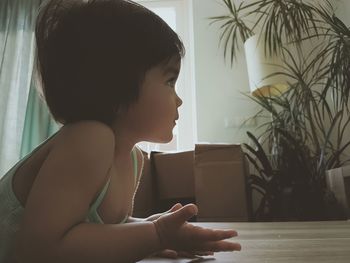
(311, 118)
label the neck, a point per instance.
(125, 140)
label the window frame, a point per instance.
(186, 130)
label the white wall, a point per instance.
(343, 10)
(218, 86)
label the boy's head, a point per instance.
(92, 55)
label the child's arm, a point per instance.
(53, 228)
(153, 217)
(166, 253)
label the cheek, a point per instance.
(160, 106)
(145, 114)
(156, 115)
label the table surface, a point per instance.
(280, 242)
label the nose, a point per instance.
(178, 101)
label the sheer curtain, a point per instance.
(38, 123)
(17, 20)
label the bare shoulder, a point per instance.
(73, 172)
(84, 144)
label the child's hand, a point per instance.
(168, 253)
(177, 234)
(156, 216)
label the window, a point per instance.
(178, 15)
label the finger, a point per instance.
(167, 253)
(175, 207)
(207, 234)
(185, 254)
(154, 217)
(184, 213)
(217, 235)
(194, 254)
(203, 253)
(218, 246)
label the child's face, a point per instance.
(153, 116)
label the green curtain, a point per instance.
(24, 119)
(38, 124)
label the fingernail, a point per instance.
(195, 210)
(191, 208)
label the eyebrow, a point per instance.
(171, 69)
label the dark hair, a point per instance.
(92, 55)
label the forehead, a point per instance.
(172, 65)
(163, 69)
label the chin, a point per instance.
(164, 139)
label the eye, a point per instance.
(171, 82)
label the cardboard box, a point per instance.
(174, 174)
(338, 181)
(145, 197)
(212, 176)
(220, 183)
(174, 179)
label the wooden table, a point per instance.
(282, 242)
